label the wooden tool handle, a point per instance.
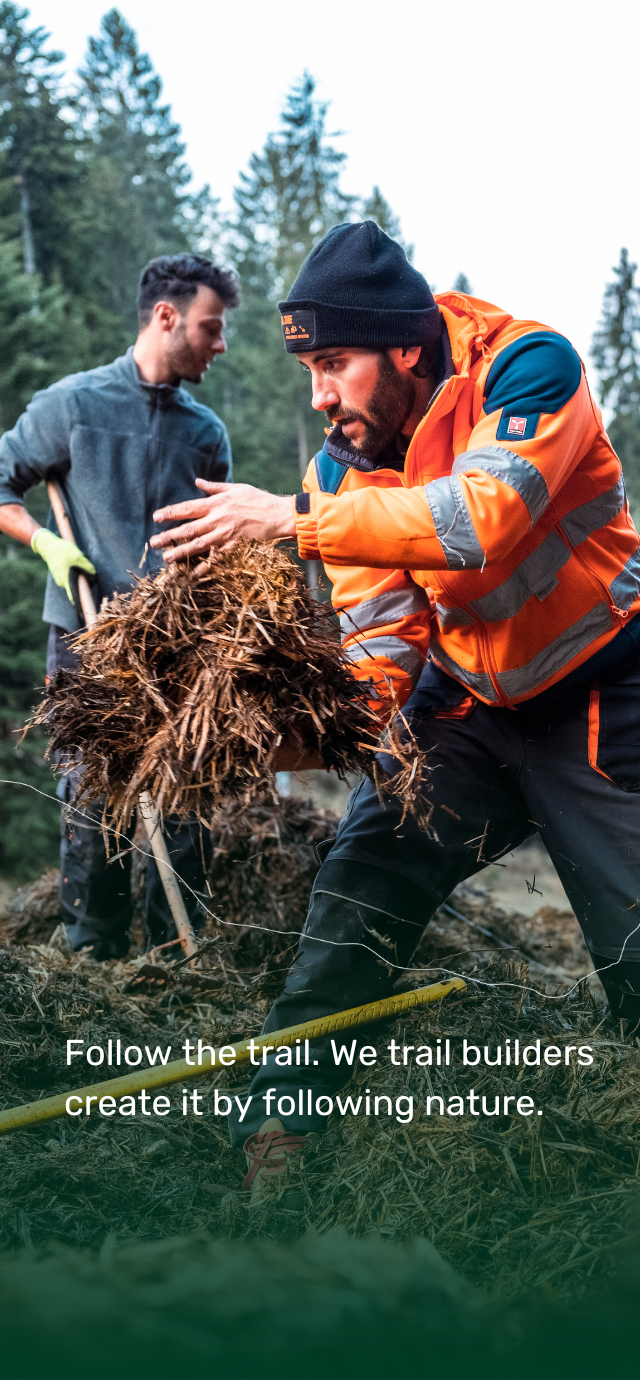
(65, 529)
(167, 875)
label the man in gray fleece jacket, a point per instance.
(121, 441)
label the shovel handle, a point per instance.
(65, 529)
(167, 875)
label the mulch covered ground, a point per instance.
(511, 1203)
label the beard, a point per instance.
(182, 359)
(388, 409)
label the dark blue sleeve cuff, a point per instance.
(303, 503)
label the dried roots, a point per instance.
(186, 689)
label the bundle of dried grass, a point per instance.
(186, 689)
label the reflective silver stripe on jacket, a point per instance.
(591, 516)
(406, 656)
(454, 528)
(476, 680)
(511, 469)
(536, 574)
(626, 586)
(553, 657)
(453, 618)
(385, 608)
(543, 666)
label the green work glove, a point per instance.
(60, 556)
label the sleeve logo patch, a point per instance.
(517, 428)
(299, 326)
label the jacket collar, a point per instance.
(471, 325)
(161, 395)
(339, 447)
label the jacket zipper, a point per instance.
(435, 395)
(487, 647)
(485, 637)
(620, 615)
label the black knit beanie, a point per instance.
(357, 287)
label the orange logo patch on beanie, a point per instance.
(299, 327)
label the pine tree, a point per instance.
(376, 207)
(45, 189)
(33, 318)
(616, 355)
(286, 202)
(91, 186)
(137, 205)
(463, 285)
(291, 196)
(33, 321)
(40, 146)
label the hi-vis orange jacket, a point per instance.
(510, 511)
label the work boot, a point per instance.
(621, 982)
(267, 1154)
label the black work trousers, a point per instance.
(95, 890)
(566, 765)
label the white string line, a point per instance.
(133, 847)
(333, 943)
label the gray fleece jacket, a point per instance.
(119, 448)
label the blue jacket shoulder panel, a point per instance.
(329, 472)
(540, 372)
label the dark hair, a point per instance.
(175, 278)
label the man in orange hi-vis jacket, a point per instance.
(471, 513)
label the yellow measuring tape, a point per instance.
(47, 1108)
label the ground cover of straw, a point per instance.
(510, 1203)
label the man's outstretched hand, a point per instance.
(229, 512)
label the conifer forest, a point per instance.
(94, 182)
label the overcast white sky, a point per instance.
(504, 135)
